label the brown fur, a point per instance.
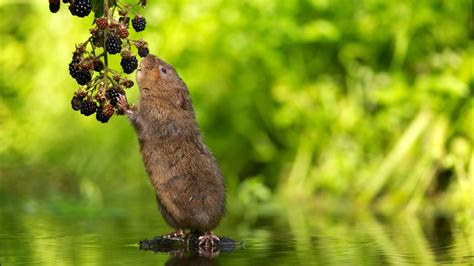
(188, 183)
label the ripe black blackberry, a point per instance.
(113, 44)
(98, 66)
(139, 23)
(83, 76)
(113, 95)
(143, 51)
(88, 107)
(54, 5)
(100, 116)
(129, 64)
(73, 67)
(80, 8)
(76, 103)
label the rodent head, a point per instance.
(158, 79)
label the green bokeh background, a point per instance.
(361, 104)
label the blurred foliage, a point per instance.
(368, 102)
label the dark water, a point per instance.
(30, 235)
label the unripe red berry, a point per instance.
(102, 22)
(108, 109)
(127, 83)
(122, 32)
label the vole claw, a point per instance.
(178, 234)
(208, 252)
(123, 104)
(208, 239)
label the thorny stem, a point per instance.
(106, 62)
(95, 84)
(113, 81)
(113, 71)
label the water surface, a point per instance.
(52, 237)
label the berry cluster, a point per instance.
(99, 85)
(80, 8)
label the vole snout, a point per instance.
(155, 73)
(144, 63)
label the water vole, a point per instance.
(189, 186)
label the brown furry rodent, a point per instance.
(189, 186)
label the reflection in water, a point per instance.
(190, 244)
(295, 237)
(189, 259)
(442, 234)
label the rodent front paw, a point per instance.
(123, 104)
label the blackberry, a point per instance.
(72, 10)
(54, 5)
(108, 109)
(143, 51)
(80, 8)
(88, 108)
(113, 95)
(76, 103)
(100, 116)
(98, 66)
(83, 76)
(102, 22)
(127, 83)
(129, 64)
(122, 32)
(73, 67)
(139, 23)
(113, 44)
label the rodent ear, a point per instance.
(146, 91)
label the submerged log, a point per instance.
(188, 244)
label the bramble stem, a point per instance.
(106, 62)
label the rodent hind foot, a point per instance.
(178, 234)
(208, 240)
(208, 252)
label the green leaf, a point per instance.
(98, 7)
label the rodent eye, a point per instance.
(163, 70)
